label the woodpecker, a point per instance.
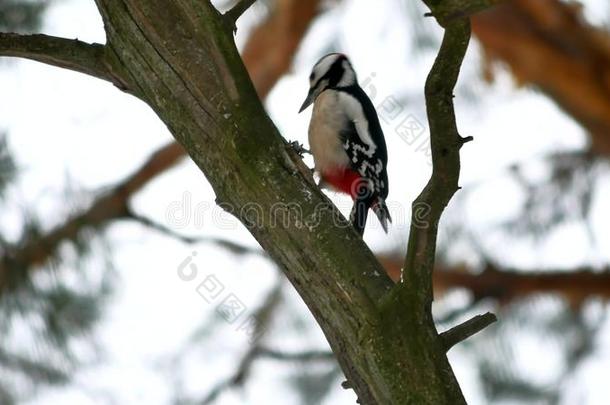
(346, 139)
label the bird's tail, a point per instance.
(360, 212)
(380, 209)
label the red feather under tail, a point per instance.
(342, 180)
(350, 182)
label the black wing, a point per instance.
(371, 166)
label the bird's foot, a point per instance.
(298, 148)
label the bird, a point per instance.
(346, 139)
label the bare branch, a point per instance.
(445, 145)
(227, 244)
(464, 330)
(65, 53)
(305, 356)
(508, 284)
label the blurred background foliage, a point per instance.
(21, 15)
(557, 309)
(46, 319)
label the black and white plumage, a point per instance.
(346, 139)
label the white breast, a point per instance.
(327, 120)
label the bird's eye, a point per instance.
(311, 76)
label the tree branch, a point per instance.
(411, 299)
(508, 284)
(464, 330)
(70, 54)
(233, 247)
(445, 145)
(304, 356)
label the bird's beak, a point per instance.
(310, 99)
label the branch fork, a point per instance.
(66, 53)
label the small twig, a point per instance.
(463, 140)
(466, 139)
(464, 330)
(310, 355)
(234, 13)
(231, 246)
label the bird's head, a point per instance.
(332, 71)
